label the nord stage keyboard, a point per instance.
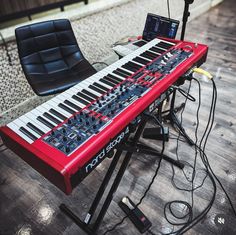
(66, 137)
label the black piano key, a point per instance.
(85, 97)
(119, 73)
(135, 65)
(114, 77)
(45, 122)
(81, 101)
(146, 55)
(140, 43)
(96, 89)
(129, 67)
(51, 118)
(111, 80)
(53, 111)
(158, 50)
(74, 106)
(164, 45)
(101, 86)
(107, 82)
(152, 54)
(66, 108)
(141, 60)
(34, 128)
(124, 71)
(89, 93)
(27, 133)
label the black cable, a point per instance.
(181, 120)
(196, 140)
(191, 222)
(205, 159)
(193, 175)
(209, 171)
(186, 95)
(209, 123)
(204, 146)
(152, 180)
(190, 214)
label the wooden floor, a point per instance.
(29, 203)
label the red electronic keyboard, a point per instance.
(68, 136)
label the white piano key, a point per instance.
(69, 97)
(39, 112)
(20, 123)
(32, 118)
(15, 128)
(104, 84)
(62, 101)
(54, 105)
(48, 110)
(26, 121)
(154, 52)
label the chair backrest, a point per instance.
(50, 55)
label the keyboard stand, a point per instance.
(143, 148)
(133, 145)
(172, 117)
(85, 225)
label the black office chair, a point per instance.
(50, 56)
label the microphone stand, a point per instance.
(185, 17)
(171, 116)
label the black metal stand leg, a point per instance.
(142, 148)
(102, 188)
(118, 177)
(91, 230)
(172, 117)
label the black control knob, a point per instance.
(78, 138)
(112, 111)
(102, 98)
(64, 130)
(81, 119)
(93, 118)
(75, 117)
(86, 115)
(94, 127)
(99, 105)
(64, 139)
(120, 105)
(100, 121)
(109, 106)
(52, 133)
(86, 123)
(67, 149)
(69, 122)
